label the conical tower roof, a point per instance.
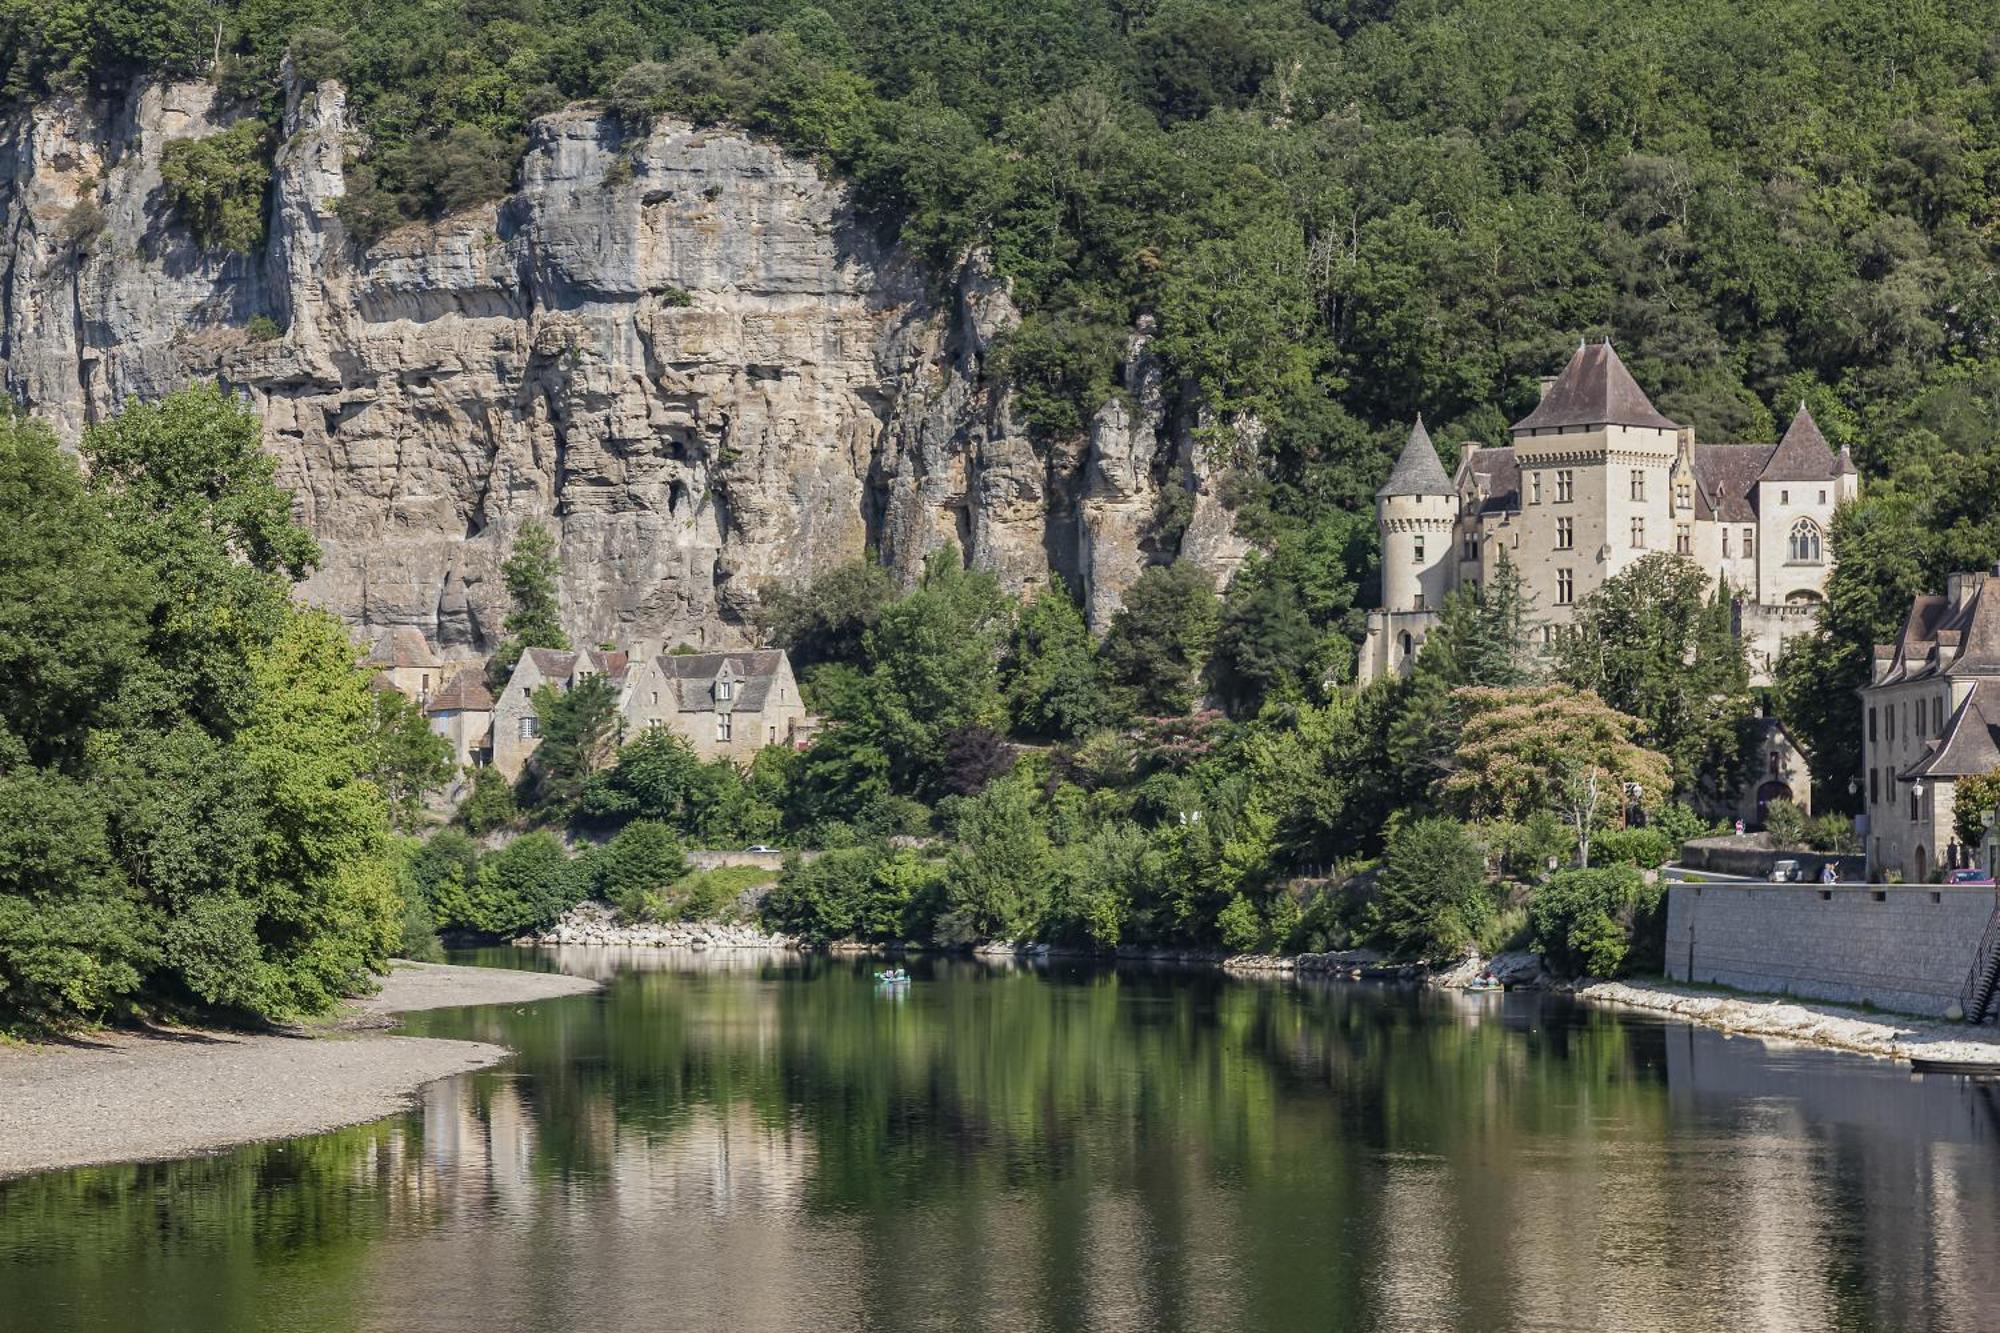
(1417, 470)
(1594, 389)
(1803, 455)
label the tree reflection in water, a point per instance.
(771, 1143)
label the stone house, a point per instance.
(1928, 717)
(725, 704)
(403, 658)
(516, 727)
(731, 704)
(1594, 480)
(1776, 771)
(462, 713)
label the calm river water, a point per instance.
(736, 1143)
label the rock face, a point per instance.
(680, 349)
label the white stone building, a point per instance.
(1928, 717)
(1595, 479)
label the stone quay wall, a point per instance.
(1901, 947)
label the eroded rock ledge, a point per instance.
(679, 348)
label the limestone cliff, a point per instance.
(680, 349)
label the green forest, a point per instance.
(1338, 213)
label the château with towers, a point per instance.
(1594, 480)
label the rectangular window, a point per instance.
(1749, 543)
(1565, 482)
(722, 726)
(1638, 484)
(1683, 496)
(1725, 543)
(1638, 534)
(1784, 497)
(1822, 497)
(1471, 547)
(1889, 722)
(1534, 488)
(1565, 587)
(1871, 725)
(1683, 540)
(1565, 533)
(656, 698)
(531, 727)
(1417, 545)
(1874, 789)
(1548, 636)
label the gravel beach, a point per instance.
(137, 1096)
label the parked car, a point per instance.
(1787, 872)
(1973, 876)
(759, 847)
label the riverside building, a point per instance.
(1595, 479)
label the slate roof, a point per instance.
(554, 663)
(403, 646)
(1594, 389)
(693, 676)
(1803, 455)
(464, 692)
(1967, 745)
(1417, 470)
(1939, 639)
(1498, 474)
(1725, 480)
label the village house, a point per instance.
(1928, 718)
(726, 705)
(1594, 480)
(462, 712)
(403, 658)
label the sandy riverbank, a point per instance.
(1807, 1022)
(137, 1096)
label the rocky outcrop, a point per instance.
(679, 348)
(595, 923)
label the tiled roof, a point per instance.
(1594, 389)
(554, 663)
(1725, 479)
(403, 646)
(693, 676)
(1417, 470)
(464, 692)
(1803, 455)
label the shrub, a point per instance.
(490, 803)
(1680, 823)
(216, 186)
(637, 866)
(1239, 925)
(1786, 824)
(1431, 900)
(1833, 833)
(524, 886)
(1598, 922)
(1646, 848)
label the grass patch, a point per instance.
(702, 895)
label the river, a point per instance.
(742, 1142)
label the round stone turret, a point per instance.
(1416, 511)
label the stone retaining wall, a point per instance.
(1902, 947)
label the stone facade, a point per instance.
(462, 713)
(1927, 719)
(725, 705)
(1594, 480)
(1908, 949)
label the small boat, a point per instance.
(1484, 985)
(895, 976)
(1970, 1068)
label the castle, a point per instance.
(1595, 479)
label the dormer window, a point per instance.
(725, 689)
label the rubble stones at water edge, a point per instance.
(596, 923)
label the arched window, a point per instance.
(1806, 547)
(1406, 643)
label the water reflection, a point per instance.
(752, 1141)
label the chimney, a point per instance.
(1961, 588)
(1548, 382)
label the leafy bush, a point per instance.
(216, 186)
(856, 893)
(1786, 824)
(524, 886)
(635, 867)
(1431, 900)
(1834, 833)
(1241, 928)
(1598, 922)
(490, 804)
(1680, 824)
(1646, 848)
